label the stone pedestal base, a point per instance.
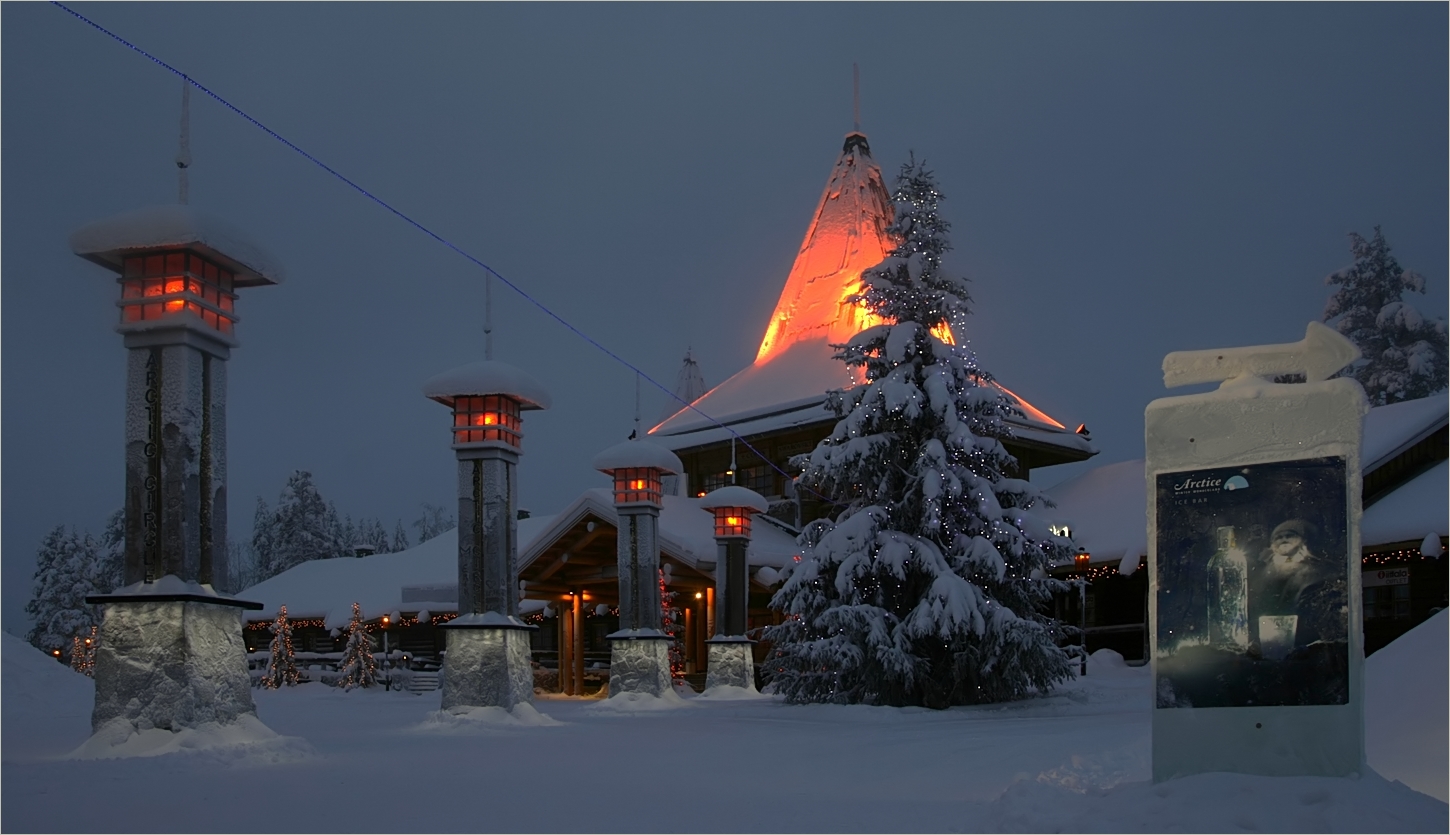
(487, 666)
(731, 663)
(639, 663)
(171, 664)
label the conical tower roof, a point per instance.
(847, 235)
(689, 386)
(795, 364)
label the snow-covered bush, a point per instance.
(927, 587)
(68, 566)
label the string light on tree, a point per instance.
(358, 667)
(282, 667)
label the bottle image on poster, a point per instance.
(1253, 585)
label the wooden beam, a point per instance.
(552, 567)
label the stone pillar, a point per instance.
(732, 662)
(639, 651)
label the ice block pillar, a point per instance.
(731, 661)
(488, 646)
(639, 651)
(1257, 649)
(170, 652)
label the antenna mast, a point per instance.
(487, 316)
(856, 96)
(183, 154)
(636, 405)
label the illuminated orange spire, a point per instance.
(846, 235)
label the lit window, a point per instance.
(637, 484)
(165, 284)
(496, 414)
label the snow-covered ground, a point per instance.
(367, 761)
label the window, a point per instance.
(163, 284)
(637, 484)
(493, 417)
(1387, 602)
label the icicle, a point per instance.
(183, 154)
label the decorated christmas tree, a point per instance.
(1404, 353)
(670, 625)
(282, 668)
(358, 669)
(83, 653)
(929, 585)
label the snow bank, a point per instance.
(1405, 706)
(483, 719)
(639, 703)
(245, 742)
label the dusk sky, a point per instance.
(1123, 181)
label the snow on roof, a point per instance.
(790, 389)
(1415, 508)
(106, 242)
(1106, 508)
(1388, 429)
(327, 588)
(686, 532)
(734, 496)
(487, 377)
(636, 453)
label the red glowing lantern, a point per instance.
(162, 284)
(638, 469)
(733, 507)
(487, 398)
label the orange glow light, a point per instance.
(732, 521)
(637, 484)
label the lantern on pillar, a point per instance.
(488, 646)
(178, 272)
(639, 651)
(731, 662)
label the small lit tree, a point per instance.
(670, 625)
(282, 668)
(83, 653)
(359, 669)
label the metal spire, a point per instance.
(856, 96)
(635, 434)
(487, 316)
(183, 154)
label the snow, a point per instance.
(734, 496)
(1415, 507)
(106, 241)
(1106, 508)
(1076, 760)
(328, 588)
(1388, 429)
(637, 453)
(487, 377)
(1405, 707)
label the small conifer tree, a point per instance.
(928, 588)
(359, 668)
(282, 667)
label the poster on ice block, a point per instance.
(1253, 556)
(1253, 586)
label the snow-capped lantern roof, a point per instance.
(108, 242)
(732, 507)
(735, 496)
(637, 468)
(635, 455)
(487, 377)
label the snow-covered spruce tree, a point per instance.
(303, 527)
(435, 520)
(68, 566)
(925, 589)
(1404, 353)
(282, 667)
(400, 537)
(359, 668)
